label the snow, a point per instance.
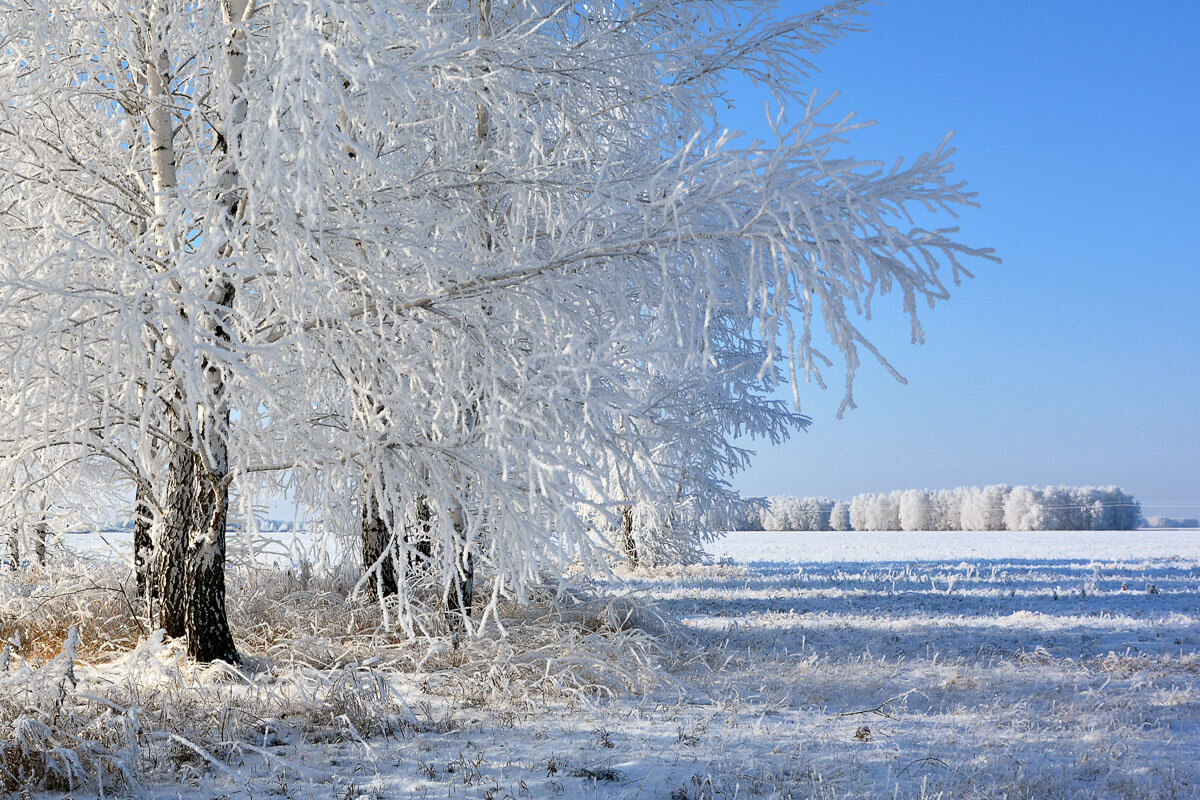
(898, 546)
(908, 665)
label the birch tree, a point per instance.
(425, 263)
(119, 249)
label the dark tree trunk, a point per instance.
(628, 543)
(170, 545)
(39, 541)
(378, 551)
(460, 591)
(208, 635)
(143, 545)
(420, 553)
(14, 547)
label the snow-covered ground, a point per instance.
(882, 665)
(855, 546)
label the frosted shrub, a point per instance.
(51, 736)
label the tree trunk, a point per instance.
(378, 551)
(461, 595)
(169, 548)
(628, 543)
(207, 625)
(421, 551)
(208, 635)
(460, 590)
(14, 547)
(143, 544)
(170, 531)
(39, 541)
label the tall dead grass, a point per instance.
(91, 698)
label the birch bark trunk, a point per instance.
(170, 533)
(378, 553)
(460, 590)
(14, 547)
(172, 528)
(208, 634)
(628, 544)
(40, 532)
(143, 542)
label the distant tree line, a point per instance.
(1172, 522)
(967, 508)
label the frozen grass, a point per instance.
(972, 673)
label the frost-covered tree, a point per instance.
(983, 509)
(917, 511)
(1122, 511)
(839, 517)
(781, 514)
(785, 513)
(1024, 509)
(817, 512)
(876, 512)
(948, 509)
(1172, 522)
(693, 418)
(747, 514)
(136, 243)
(426, 263)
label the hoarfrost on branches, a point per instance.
(431, 268)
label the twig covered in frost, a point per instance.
(879, 709)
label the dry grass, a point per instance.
(90, 698)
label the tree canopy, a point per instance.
(475, 275)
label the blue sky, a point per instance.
(1076, 360)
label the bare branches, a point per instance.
(879, 709)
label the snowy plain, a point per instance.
(802, 665)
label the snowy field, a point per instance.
(853, 546)
(852, 665)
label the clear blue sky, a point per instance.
(1077, 360)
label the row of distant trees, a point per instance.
(971, 508)
(1172, 522)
